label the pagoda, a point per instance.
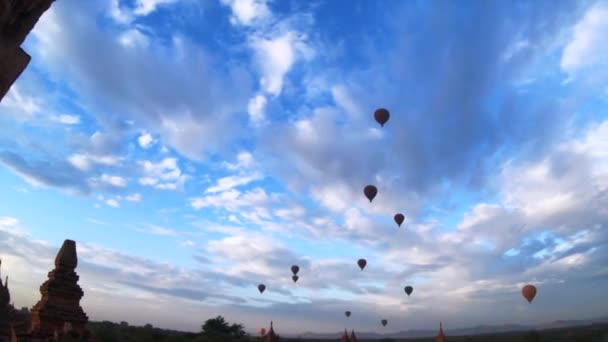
(6, 310)
(353, 338)
(59, 306)
(345, 337)
(270, 335)
(440, 335)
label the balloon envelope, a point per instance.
(399, 219)
(295, 269)
(362, 263)
(261, 288)
(408, 290)
(381, 115)
(529, 292)
(295, 278)
(347, 313)
(384, 322)
(370, 192)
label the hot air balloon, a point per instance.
(295, 269)
(295, 278)
(529, 292)
(362, 263)
(370, 192)
(261, 288)
(384, 322)
(381, 115)
(399, 219)
(347, 313)
(408, 290)
(262, 332)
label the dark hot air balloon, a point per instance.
(347, 313)
(295, 278)
(529, 292)
(381, 115)
(384, 322)
(362, 263)
(261, 288)
(370, 192)
(408, 290)
(399, 219)
(262, 332)
(295, 269)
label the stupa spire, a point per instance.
(60, 302)
(440, 335)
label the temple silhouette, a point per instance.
(57, 316)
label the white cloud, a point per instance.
(256, 109)
(291, 213)
(187, 243)
(115, 181)
(20, 106)
(164, 175)
(227, 183)
(134, 197)
(244, 160)
(587, 47)
(84, 161)
(145, 140)
(95, 221)
(275, 56)
(148, 181)
(247, 12)
(133, 38)
(145, 7)
(112, 203)
(66, 119)
(158, 89)
(232, 200)
(333, 196)
(8, 222)
(119, 14)
(345, 101)
(158, 230)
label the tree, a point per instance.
(532, 336)
(217, 329)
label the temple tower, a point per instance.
(353, 338)
(60, 302)
(345, 337)
(440, 335)
(270, 335)
(6, 311)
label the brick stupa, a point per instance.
(270, 335)
(440, 336)
(6, 311)
(60, 302)
(345, 337)
(353, 338)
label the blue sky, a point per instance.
(196, 149)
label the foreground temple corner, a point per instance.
(17, 19)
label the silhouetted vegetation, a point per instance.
(218, 330)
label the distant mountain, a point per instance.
(478, 330)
